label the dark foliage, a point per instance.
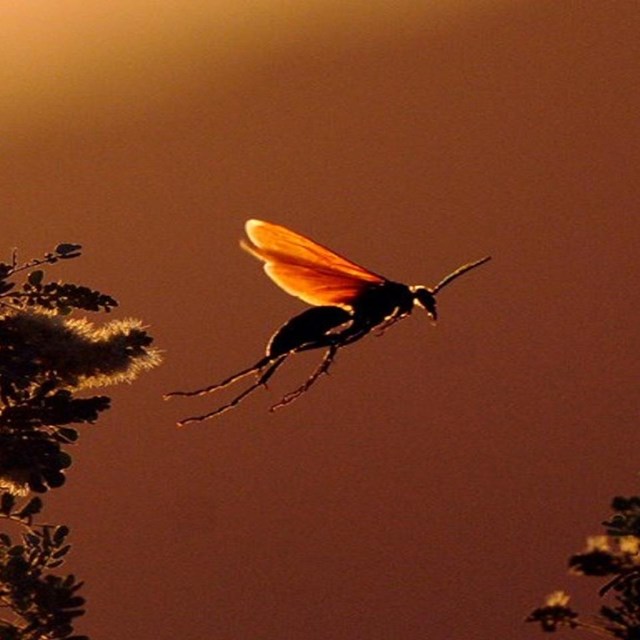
(43, 604)
(62, 297)
(615, 556)
(45, 358)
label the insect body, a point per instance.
(348, 302)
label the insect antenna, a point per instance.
(260, 382)
(322, 368)
(458, 272)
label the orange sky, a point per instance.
(435, 484)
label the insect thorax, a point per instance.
(382, 302)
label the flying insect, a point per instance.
(347, 303)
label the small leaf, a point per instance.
(69, 580)
(67, 434)
(60, 534)
(60, 553)
(6, 503)
(75, 601)
(53, 478)
(32, 538)
(68, 250)
(31, 508)
(620, 503)
(35, 278)
(64, 460)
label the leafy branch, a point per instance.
(49, 295)
(615, 556)
(46, 357)
(42, 605)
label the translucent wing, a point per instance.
(306, 269)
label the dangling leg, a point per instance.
(225, 383)
(322, 368)
(336, 341)
(260, 382)
(309, 330)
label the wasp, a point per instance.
(347, 303)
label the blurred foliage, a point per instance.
(615, 556)
(45, 603)
(46, 357)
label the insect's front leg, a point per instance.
(389, 321)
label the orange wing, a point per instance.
(306, 269)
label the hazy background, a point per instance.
(435, 484)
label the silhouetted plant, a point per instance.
(46, 356)
(616, 556)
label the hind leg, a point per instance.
(322, 368)
(260, 382)
(258, 366)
